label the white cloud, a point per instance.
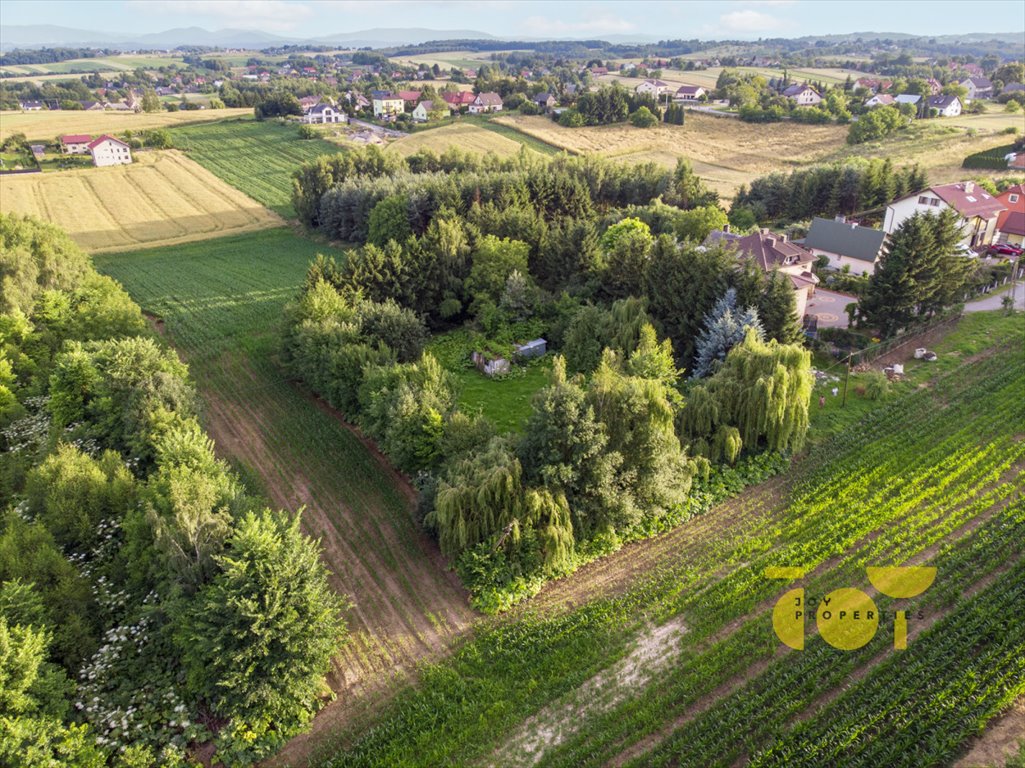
(598, 25)
(748, 22)
(276, 15)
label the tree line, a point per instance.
(148, 602)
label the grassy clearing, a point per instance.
(161, 198)
(446, 59)
(255, 157)
(46, 125)
(220, 303)
(504, 401)
(102, 63)
(930, 477)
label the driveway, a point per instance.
(987, 303)
(828, 307)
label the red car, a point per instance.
(1004, 249)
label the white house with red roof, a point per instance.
(977, 209)
(76, 143)
(106, 150)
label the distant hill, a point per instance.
(387, 37)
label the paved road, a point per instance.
(987, 303)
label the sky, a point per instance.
(741, 19)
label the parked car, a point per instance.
(1004, 249)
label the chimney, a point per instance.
(969, 187)
(783, 238)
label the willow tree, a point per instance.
(482, 499)
(763, 390)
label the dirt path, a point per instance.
(1002, 740)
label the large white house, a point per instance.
(945, 106)
(386, 103)
(689, 93)
(106, 150)
(978, 88)
(803, 95)
(485, 102)
(323, 113)
(653, 87)
(976, 208)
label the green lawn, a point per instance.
(504, 400)
(255, 157)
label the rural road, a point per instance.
(987, 303)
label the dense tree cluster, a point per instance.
(920, 274)
(608, 265)
(147, 601)
(840, 188)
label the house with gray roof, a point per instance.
(846, 244)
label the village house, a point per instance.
(977, 210)
(846, 244)
(803, 95)
(544, 101)
(909, 98)
(410, 98)
(945, 106)
(773, 252)
(30, 106)
(935, 86)
(653, 88)
(92, 106)
(485, 102)
(75, 144)
(880, 100)
(599, 71)
(106, 150)
(458, 98)
(978, 88)
(872, 84)
(689, 93)
(387, 104)
(323, 113)
(1011, 221)
(423, 110)
(306, 102)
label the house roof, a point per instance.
(542, 98)
(100, 139)
(980, 83)
(380, 95)
(1013, 88)
(76, 138)
(689, 90)
(942, 102)
(845, 239)
(1018, 161)
(489, 99)
(319, 109)
(968, 199)
(31, 103)
(428, 105)
(883, 98)
(409, 95)
(1012, 219)
(459, 98)
(770, 250)
(657, 83)
(908, 98)
(796, 90)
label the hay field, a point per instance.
(45, 125)
(161, 199)
(708, 77)
(467, 137)
(724, 151)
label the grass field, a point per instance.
(724, 151)
(446, 59)
(664, 654)
(255, 157)
(46, 125)
(468, 137)
(101, 63)
(220, 303)
(709, 77)
(162, 197)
